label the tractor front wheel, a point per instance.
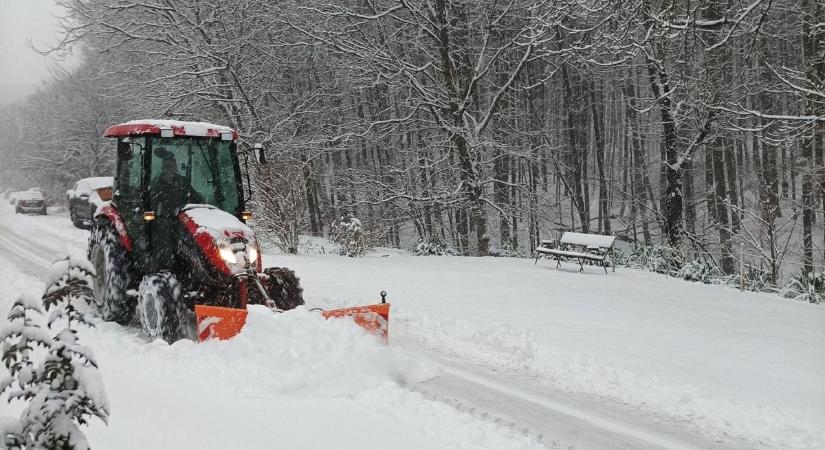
(109, 258)
(162, 312)
(284, 288)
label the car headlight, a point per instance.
(225, 250)
(252, 252)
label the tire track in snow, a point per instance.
(565, 422)
(30, 256)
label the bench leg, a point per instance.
(558, 262)
(581, 265)
(605, 267)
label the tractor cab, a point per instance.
(165, 166)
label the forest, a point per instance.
(477, 126)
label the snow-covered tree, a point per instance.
(63, 388)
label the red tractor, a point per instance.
(174, 234)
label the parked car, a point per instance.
(29, 202)
(84, 198)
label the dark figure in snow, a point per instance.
(171, 191)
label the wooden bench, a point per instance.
(580, 247)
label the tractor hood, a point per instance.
(227, 243)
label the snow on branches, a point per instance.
(53, 373)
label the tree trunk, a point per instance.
(604, 208)
(722, 221)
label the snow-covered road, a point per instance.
(528, 355)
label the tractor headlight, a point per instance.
(252, 252)
(225, 250)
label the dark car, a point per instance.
(84, 198)
(29, 202)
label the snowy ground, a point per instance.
(485, 353)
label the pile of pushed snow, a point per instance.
(293, 380)
(299, 351)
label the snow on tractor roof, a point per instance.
(179, 128)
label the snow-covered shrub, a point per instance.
(508, 251)
(20, 337)
(656, 258)
(698, 270)
(71, 281)
(348, 234)
(804, 286)
(63, 389)
(620, 257)
(433, 245)
(11, 434)
(757, 279)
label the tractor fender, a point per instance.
(111, 213)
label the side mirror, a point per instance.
(124, 150)
(260, 154)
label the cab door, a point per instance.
(128, 194)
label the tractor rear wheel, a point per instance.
(162, 312)
(108, 256)
(284, 288)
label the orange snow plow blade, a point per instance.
(215, 322)
(373, 318)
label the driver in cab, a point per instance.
(171, 191)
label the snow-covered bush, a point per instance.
(508, 251)
(656, 258)
(433, 245)
(804, 286)
(698, 270)
(757, 279)
(70, 282)
(348, 234)
(63, 388)
(11, 435)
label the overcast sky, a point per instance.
(21, 68)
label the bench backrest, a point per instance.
(587, 240)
